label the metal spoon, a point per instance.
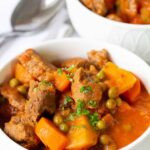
(31, 16)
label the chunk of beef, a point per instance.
(14, 97)
(84, 87)
(88, 3)
(36, 66)
(21, 130)
(127, 9)
(77, 62)
(41, 99)
(98, 6)
(99, 58)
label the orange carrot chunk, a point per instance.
(120, 78)
(61, 81)
(132, 93)
(50, 135)
(21, 74)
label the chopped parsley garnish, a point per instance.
(71, 117)
(67, 100)
(59, 71)
(92, 103)
(81, 108)
(94, 118)
(71, 68)
(69, 78)
(46, 83)
(85, 89)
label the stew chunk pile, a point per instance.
(73, 104)
(129, 11)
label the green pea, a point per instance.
(101, 125)
(113, 92)
(105, 139)
(22, 89)
(111, 104)
(101, 75)
(13, 83)
(119, 101)
(58, 119)
(64, 127)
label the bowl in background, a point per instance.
(67, 48)
(90, 25)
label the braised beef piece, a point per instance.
(36, 66)
(21, 130)
(84, 86)
(15, 99)
(41, 99)
(98, 6)
(99, 58)
(77, 62)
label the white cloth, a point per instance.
(53, 30)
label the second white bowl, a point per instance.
(90, 25)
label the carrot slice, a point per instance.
(132, 93)
(61, 81)
(122, 79)
(21, 74)
(50, 135)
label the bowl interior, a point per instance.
(67, 48)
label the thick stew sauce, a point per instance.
(73, 104)
(128, 11)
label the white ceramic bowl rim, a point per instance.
(115, 23)
(4, 61)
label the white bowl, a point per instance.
(90, 25)
(67, 48)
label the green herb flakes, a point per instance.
(71, 68)
(69, 78)
(45, 83)
(94, 118)
(67, 100)
(92, 103)
(71, 117)
(59, 71)
(85, 89)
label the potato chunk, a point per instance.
(81, 134)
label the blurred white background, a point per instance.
(55, 28)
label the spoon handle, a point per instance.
(6, 37)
